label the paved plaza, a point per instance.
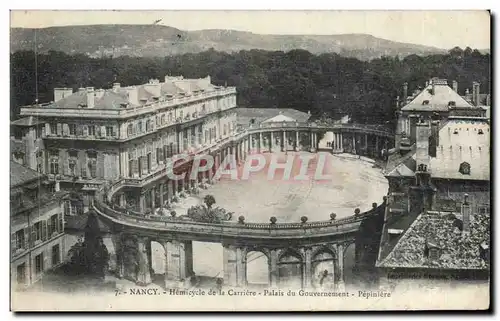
(356, 183)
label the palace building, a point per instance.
(36, 225)
(87, 137)
(438, 214)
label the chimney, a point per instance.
(60, 93)
(405, 92)
(455, 86)
(116, 87)
(132, 95)
(422, 153)
(99, 93)
(434, 138)
(466, 213)
(475, 93)
(433, 83)
(154, 87)
(90, 97)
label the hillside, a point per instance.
(158, 40)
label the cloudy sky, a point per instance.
(443, 29)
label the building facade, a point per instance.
(85, 138)
(37, 226)
(437, 222)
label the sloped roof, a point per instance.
(437, 100)
(245, 115)
(109, 100)
(401, 165)
(27, 121)
(458, 251)
(20, 174)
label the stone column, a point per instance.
(161, 194)
(176, 270)
(117, 241)
(307, 271)
(376, 146)
(340, 266)
(250, 138)
(153, 196)
(354, 143)
(366, 144)
(297, 140)
(341, 142)
(234, 266)
(142, 203)
(144, 275)
(271, 143)
(312, 141)
(122, 201)
(284, 143)
(273, 268)
(260, 142)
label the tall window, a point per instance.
(110, 132)
(92, 164)
(130, 130)
(39, 263)
(37, 231)
(54, 165)
(20, 240)
(53, 129)
(21, 273)
(139, 127)
(56, 255)
(72, 129)
(91, 130)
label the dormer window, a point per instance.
(432, 251)
(480, 132)
(452, 103)
(425, 102)
(464, 168)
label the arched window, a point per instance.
(464, 168)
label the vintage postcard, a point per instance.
(250, 160)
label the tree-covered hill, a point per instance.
(325, 83)
(160, 41)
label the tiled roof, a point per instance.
(437, 101)
(401, 165)
(81, 222)
(114, 98)
(20, 174)
(245, 115)
(109, 100)
(458, 250)
(27, 121)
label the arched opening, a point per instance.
(208, 260)
(157, 262)
(290, 269)
(257, 268)
(130, 257)
(323, 269)
(350, 272)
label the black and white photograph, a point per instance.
(250, 160)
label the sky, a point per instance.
(442, 29)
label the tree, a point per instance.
(209, 200)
